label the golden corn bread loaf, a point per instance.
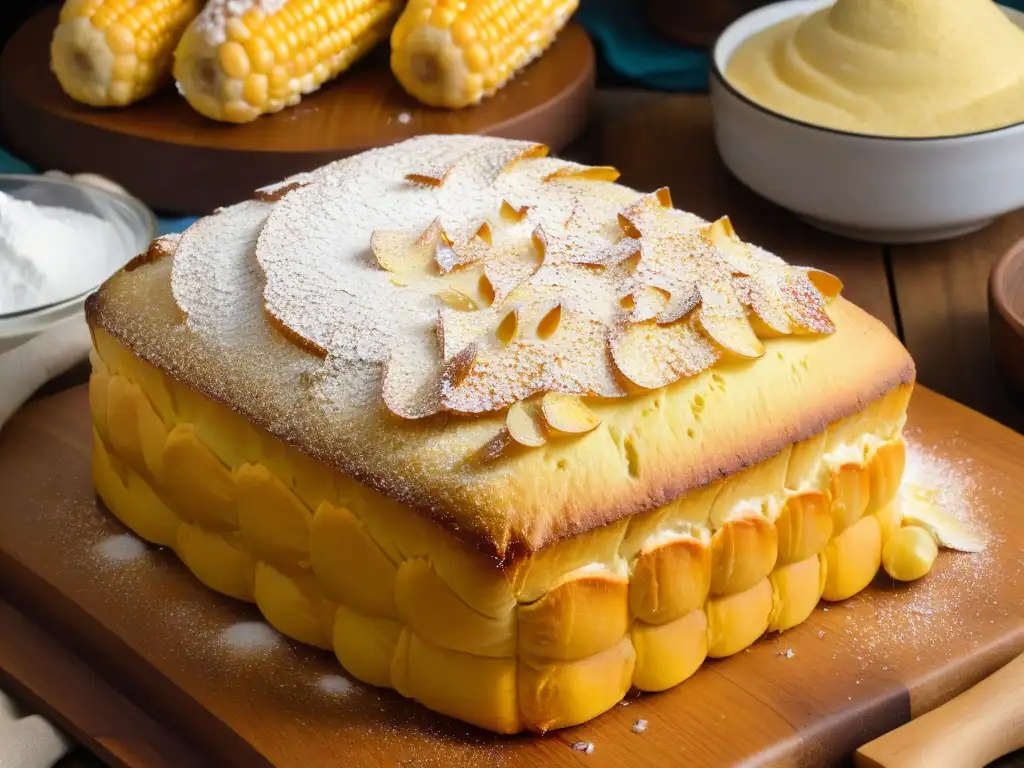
(506, 436)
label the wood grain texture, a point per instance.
(857, 670)
(174, 159)
(942, 293)
(667, 141)
(53, 681)
(969, 731)
(1006, 315)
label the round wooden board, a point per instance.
(176, 160)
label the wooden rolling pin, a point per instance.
(981, 724)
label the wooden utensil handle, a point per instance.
(973, 729)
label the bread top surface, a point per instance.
(386, 314)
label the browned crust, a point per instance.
(587, 511)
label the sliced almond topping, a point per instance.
(503, 161)
(640, 214)
(721, 232)
(451, 253)
(626, 248)
(272, 194)
(647, 303)
(652, 356)
(682, 301)
(457, 368)
(293, 337)
(406, 391)
(430, 177)
(508, 327)
(805, 305)
(549, 323)
(829, 285)
(495, 448)
(586, 172)
(525, 424)
(567, 414)
(483, 233)
(455, 300)
(919, 507)
(769, 315)
(722, 319)
(513, 213)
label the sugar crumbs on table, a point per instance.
(250, 636)
(821, 633)
(639, 726)
(404, 118)
(789, 653)
(121, 548)
(625, 703)
(334, 684)
(584, 746)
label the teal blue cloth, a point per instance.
(631, 49)
(165, 224)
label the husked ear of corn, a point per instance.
(453, 53)
(111, 53)
(244, 58)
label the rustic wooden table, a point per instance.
(933, 296)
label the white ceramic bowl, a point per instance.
(890, 190)
(133, 220)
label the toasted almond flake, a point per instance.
(919, 506)
(430, 177)
(828, 284)
(513, 213)
(652, 356)
(584, 172)
(525, 424)
(567, 414)
(455, 259)
(680, 303)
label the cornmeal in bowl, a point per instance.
(502, 434)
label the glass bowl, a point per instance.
(134, 222)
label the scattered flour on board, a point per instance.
(948, 602)
(334, 684)
(122, 548)
(250, 636)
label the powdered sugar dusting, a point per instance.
(250, 636)
(946, 603)
(212, 19)
(328, 289)
(120, 549)
(336, 685)
(950, 486)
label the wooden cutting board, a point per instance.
(247, 697)
(174, 159)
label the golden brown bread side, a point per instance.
(650, 447)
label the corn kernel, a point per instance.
(477, 58)
(238, 112)
(124, 68)
(103, 18)
(237, 30)
(261, 58)
(233, 60)
(909, 553)
(120, 39)
(442, 17)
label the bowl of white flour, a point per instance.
(59, 240)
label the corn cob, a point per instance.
(244, 58)
(110, 53)
(453, 53)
